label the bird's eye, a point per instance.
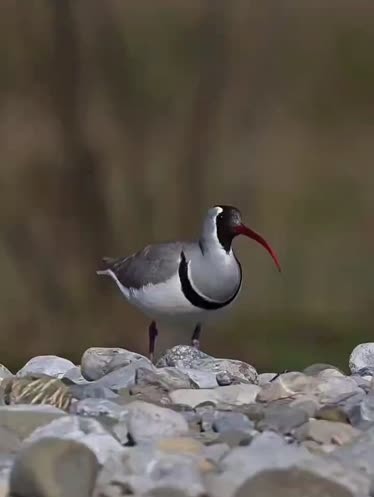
(220, 216)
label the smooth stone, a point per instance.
(264, 378)
(234, 428)
(146, 470)
(45, 390)
(282, 419)
(268, 450)
(181, 356)
(10, 442)
(307, 479)
(50, 365)
(306, 403)
(362, 356)
(4, 372)
(85, 430)
(52, 467)
(152, 394)
(317, 368)
(168, 378)
(235, 395)
(24, 419)
(359, 454)
(216, 452)
(97, 362)
(334, 413)
(326, 432)
(147, 422)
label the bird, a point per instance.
(185, 284)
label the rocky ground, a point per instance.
(191, 426)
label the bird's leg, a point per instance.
(195, 340)
(152, 332)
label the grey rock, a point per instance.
(4, 372)
(10, 442)
(49, 365)
(183, 356)
(308, 404)
(92, 390)
(317, 368)
(326, 432)
(264, 378)
(359, 453)
(85, 430)
(24, 419)
(97, 362)
(234, 395)
(234, 427)
(147, 471)
(119, 378)
(100, 407)
(75, 376)
(224, 378)
(361, 357)
(168, 378)
(54, 468)
(147, 422)
(268, 450)
(306, 478)
(282, 419)
(202, 379)
(326, 386)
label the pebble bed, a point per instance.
(190, 426)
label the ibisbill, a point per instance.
(186, 283)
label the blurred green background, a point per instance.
(121, 122)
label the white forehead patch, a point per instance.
(216, 211)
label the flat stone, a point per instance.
(361, 357)
(234, 427)
(182, 356)
(147, 422)
(153, 394)
(235, 395)
(201, 379)
(332, 413)
(51, 391)
(168, 378)
(50, 365)
(24, 419)
(85, 430)
(54, 468)
(326, 432)
(306, 403)
(282, 419)
(100, 407)
(10, 442)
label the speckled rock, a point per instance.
(54, 468)
(183, 356)
(168, 378)
(97, 362)
(49, 365)
(361, 357)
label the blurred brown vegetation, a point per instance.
(122, 122)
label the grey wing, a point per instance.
(154, 264)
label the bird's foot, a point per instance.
(196, 344)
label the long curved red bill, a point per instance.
(244, 230)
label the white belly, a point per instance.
(166, 302)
